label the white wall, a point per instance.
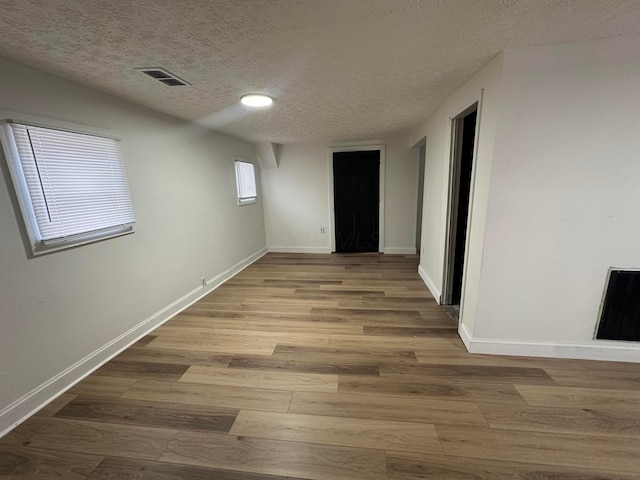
(401, 194)
(297, 197)
(555, 199)
(565, 198)
(484, 87)
(61, 308)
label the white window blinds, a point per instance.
(246, 181)
(76, 183)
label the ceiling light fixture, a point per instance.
(256, 100)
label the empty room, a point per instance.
(319, 239)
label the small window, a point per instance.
(71, 186)
(246, 182)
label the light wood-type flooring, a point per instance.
(330, 367)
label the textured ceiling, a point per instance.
(338, 70)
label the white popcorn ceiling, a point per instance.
(338, 70)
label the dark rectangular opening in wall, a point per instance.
(620, 318)
(356, 188)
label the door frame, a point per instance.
(332, 215)
(455, 150)
(421, 147)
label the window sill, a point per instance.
(246, 201)
(40, 248)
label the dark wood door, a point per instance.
(356, 190)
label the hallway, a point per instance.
(330, 367)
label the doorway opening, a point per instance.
(422, 152)
(356, 201)
(463, 135)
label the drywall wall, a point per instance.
(401, 194)
(60, 308)
(564, 203)
(484, 88)
(296, 203)
(296, 199)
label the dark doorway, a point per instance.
(464, 129)
(356, 190)
(620, 317)
(422, 153)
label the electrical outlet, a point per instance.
(321, 229)
(204, 282)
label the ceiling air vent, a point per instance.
(163, 76)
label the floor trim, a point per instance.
(399, 251)
(464, 336)
(610, 351)
(299, 250)
(18, 411)
(430, 285)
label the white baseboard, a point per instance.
(610, 351)
(399, 251)
(430, 285)
(18, 411)
(465, 336)
(299, 249)
(388, 251)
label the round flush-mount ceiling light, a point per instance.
(256, 100)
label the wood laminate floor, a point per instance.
(330, 367)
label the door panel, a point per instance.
(345, 231)
(356, 200)
(343, 184)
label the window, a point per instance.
(71, 186)
(246, 182)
